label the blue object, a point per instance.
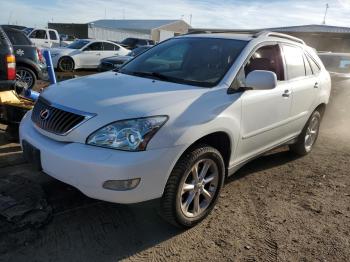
(49, 65)
(31, 94)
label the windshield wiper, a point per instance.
(151, 74)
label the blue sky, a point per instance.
(205, 13)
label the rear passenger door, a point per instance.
(109, 49)
(54, 40)
(91, 55)
(303, 83)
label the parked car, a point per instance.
(44, 38)
(7, 63)
(84, 53)
(113, 62)
(132, 43)
(173, 122)
(338, 65)
(31, 65)
(66, 40)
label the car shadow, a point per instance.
(274, 158)
(84, 229)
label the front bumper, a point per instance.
(88, 167)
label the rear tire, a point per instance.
(66, 64)
(25, 79)
(308, 136)
(189, 198)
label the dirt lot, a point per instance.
(277, 208)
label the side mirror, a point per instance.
(261, 80)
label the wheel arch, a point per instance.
(70, 57)
(31, 67)
(220, 140)
(321, 108)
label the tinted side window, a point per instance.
(294, 61)
(94, 47)
(53, 35)
(38, 34)
(109, 47)
(17, 38)
(315, 67)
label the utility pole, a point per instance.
(190, 19)
(325, 14)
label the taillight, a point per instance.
(40, 56)
(11, 67)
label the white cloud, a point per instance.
(205, 13)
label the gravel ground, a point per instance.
(276, 208)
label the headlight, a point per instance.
(129, 135)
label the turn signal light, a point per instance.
(11, 67)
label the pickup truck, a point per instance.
(44, 38)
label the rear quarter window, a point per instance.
(17, 37)
(294, 61)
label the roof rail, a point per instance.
(218, 31)
(280, 35)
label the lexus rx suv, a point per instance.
(178, 119)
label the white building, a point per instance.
(118, 30)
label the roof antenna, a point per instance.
(325, 14)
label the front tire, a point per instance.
(193, 187)
(308, 136)
(66, 64)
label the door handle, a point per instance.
(98, 54)
(46, 42)
(316, 85)
(286, 93)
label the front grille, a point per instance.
(56, 119)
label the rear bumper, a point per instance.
(88, 167)
(6, 85)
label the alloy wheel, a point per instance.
(24, 79)
(311, 133)
(66, 65)
(199, 187)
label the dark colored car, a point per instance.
(115, 62)
(31, 64)
(132, 43)
(7, 63)
(338, 65)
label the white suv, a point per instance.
(175, 121)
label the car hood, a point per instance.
(119, 96)
(63, 50)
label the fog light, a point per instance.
(121, 185)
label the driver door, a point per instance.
(264, 112)
(91, 55)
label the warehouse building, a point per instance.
(118, 30)
(321, 37)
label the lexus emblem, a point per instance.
(44, 114)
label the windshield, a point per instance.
(194, 61)
(336, 63)
(78, 44)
